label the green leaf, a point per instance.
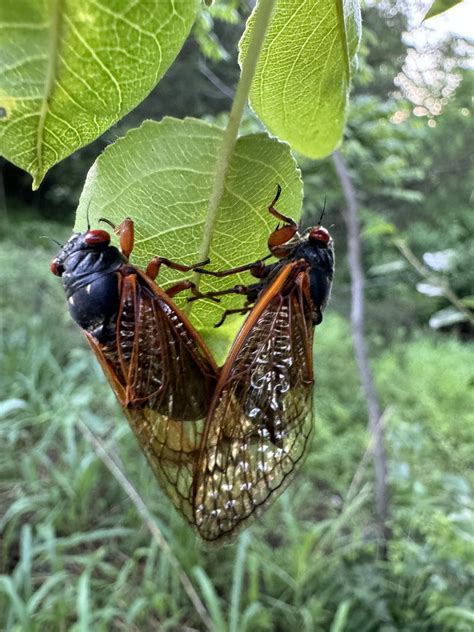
(240, 566)
(446, 317)
(83, 602)
(468, 301)
(340, 618)
(440, 6)
(455, 614)
(72, 69)
(211, 599)
(302, 80)
(161, 175)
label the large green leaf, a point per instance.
(302, 81)
(70, 69)
(161, 176)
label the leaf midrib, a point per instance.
(341, 23)
(54, 37)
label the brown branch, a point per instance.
(354, 254)
(148, 519)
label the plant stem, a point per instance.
(262, 19)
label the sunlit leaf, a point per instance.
(428, 289)
(446, 317)
(441, 260)
(161, 175)
(440, 6)
(303, 75)
(69, 70)
(9, 406)
(340, 619)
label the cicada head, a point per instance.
(319, 236)
(79, 245)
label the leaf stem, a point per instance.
(262, 19)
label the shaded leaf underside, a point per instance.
(72, 69)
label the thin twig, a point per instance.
(433, 279)
(359, 472)
(214, 79)
(148, 519)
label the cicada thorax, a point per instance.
(158, 366)
(260, 420)
(320, 270)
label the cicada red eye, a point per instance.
(93, 237)
(56, 268)
(319, 234)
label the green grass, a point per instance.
(76, 555)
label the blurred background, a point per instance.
(74, 552)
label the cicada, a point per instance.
(261, 415)
(157, 364)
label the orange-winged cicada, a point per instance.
(260, 418)
(158, 366)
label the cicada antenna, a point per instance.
(323, 211)
(108, 222)
(51, 239)
(277, 196)
(87, 215)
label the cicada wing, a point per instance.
(261, 418)
(171, 448)
(163, 377)
(164, 361)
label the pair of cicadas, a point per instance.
(222, 442)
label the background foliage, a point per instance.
(74, 554)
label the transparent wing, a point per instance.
(164, 378)
(161, 360)
(171, 448)
(261, 416)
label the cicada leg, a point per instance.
(126, 232)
